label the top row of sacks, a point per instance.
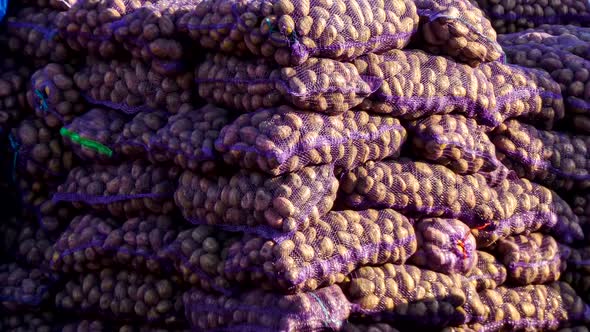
(290, 31)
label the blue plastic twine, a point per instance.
(43, 100)
(15, 147)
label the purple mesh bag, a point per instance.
(33, 33)
(132, 87)
(13, 88)
(53, 95)
(257, 310)
(532, 307)
(454, 141)
(123, 295)
(529, 259)
(256, 202)
(526, 93)
(445, 246)
(459, 29)
(422, 189)
(291, 32)
(488, 273)
(199, 254)
(281, 140)
(559, 160)
(320, 85)
(523, 14)
(124, 190)
(98, 125)
(324, 253)
(566, 69)
(534, 208)
(22, 288)
(133, 142)
(417, 84)
(188, 138)
(92, 243)
(38, 151)
(406, 294)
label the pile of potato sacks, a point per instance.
(295, 165)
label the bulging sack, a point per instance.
(529, 259)
(54, 96)
(291, 31)
(257, 310)
(459, 29)
(256, 202)
(417, 84)
(320, 85)
(92, 135)
(454, 141)
(559, 160)
(124, 190)
(282, 140)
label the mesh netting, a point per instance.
(324, 253)
(23, 288)
(92, 242)
(407, 294)
(523, 14)
(459, 29)
(125, 190)
(321, 85)
(527, 93)
(281, 140)
(444, 245)
(92, 135)
(559, 160)
(38, 151)
(123, 295)
(529, 259)
(134, 140)
(131, 86)
(256, 202)
(532, 307)
(454, 141)
(188, 138)
(416, 84)
(488, 273)
(256, 310)
(53, 96)
(13, 86)
(32, 32)
(291, 31)
(566, 69)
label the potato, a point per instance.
(281, 140)
(54, 96)
(459, 29)
(445, 246)
(454, 141)
(321, 85)
(417, 84)
(293, 32)
(124, 190)
(260, 202)
(558, 160)
(405, 293)
(123, 295)
(324, 308)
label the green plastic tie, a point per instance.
(85, 142)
